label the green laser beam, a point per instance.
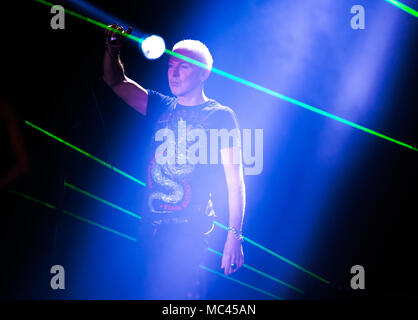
(241, 282)
(260, 88)
(98, 225)
(212, 250)
(403, 7)
(73, 215)
(217, 223)
(120, 233)
(291, 100)
(86, 153)
(102, 200)
(132, 178)
(313, 109)
(286, 260)
(124, 235)
(263, 274)
(131, 238)
(276, 255)
(252, 84)
(33, 199)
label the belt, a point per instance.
(173, 220)
(194, 208)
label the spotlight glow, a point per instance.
(153, 47)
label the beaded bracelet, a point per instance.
(237, 234)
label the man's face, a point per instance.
(183, 77)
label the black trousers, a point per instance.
(173, 257)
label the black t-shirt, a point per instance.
(180, 191)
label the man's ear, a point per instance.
(204, 74)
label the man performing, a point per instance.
(182, 197)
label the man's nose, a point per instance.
(175, 72)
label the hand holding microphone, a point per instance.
(115, 37)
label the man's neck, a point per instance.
(193, 98)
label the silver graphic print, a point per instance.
(167, 175)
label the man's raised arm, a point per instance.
(114, 73)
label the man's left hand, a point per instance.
(233, 255)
